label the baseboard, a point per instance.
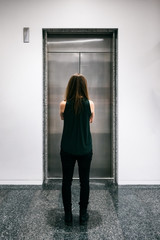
(139, 182)
(21, 182)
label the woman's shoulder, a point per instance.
(62, 105)
(91, 105)
(91, 102)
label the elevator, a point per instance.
(93, 55)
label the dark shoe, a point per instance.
(68, 218)
(83, 218)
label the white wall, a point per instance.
(21, 88)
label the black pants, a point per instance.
(68, 163)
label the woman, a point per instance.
(77, 111)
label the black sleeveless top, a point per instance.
(76, 137)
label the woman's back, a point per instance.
(76, 137)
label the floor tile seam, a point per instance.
(115, 206)
(116, 212)
(113, 202)
(106, 201)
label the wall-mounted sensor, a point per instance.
(26, 35)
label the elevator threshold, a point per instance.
(107, 178)
(95, 183)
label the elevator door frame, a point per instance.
(114, 91)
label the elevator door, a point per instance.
(93, 60)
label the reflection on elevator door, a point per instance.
(93, 60)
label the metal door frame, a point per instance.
(114, 93)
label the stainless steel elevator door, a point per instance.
(60, 67)
(96, 67)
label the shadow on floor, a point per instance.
(55, 218)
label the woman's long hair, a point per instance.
(77, 90)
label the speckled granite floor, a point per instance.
(36, 213)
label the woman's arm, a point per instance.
(92, 111)
(62, 107)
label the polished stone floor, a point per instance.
(36, 212)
